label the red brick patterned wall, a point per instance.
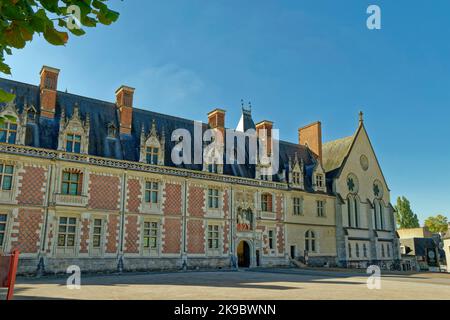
(30, 222)
(133, 195)
(132, 235)
(84, 236)
(195, 236)
(280, 238)
(172, 235)
(104, 192)
(173, 200)
(112, 234)
(279, 207)
(226, 215)
(196, 201)
(32, 188)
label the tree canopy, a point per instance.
(406, 218)
(437, 224)
(21, 20)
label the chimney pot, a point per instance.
(311, 135)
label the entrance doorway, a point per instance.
(243, 253)
(293, 252)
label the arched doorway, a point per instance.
(243, 253)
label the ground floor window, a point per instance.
(271, 239)
(310, 241)
(67, 232)
(150, 235)
(213, 237)
(3, 219)
(97, 233)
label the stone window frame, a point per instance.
(272, 251)
(149, 207)
(9, 196)
(101, 249)
(311, 241)
(74, 126)
(6, 127)
(150, 153)
(152, 140)
(150, 252)
(4, 246)
(10, 111)
(214, 212)
(85, 179)
(64, 251)
(72, 138)
(300, 205)
(219, 251)
(321, 208)
(353, 210)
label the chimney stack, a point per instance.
(311, 135)
(216, 120)
(124, 102)
(48, 87)
(265, 125)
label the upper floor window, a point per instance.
(319, 181)
(266, 202)
(73, 143)
(8, 132)
(310, 241)
(213, 198)
(112, 131)
(150, 235)
(3, 220)
(320, 208)
(151, 192)
(213, 237)
(271, 239)
(298, 206)
(6, 176)
(72, 183)
(67, 231)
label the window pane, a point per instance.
(71, 229)
(147, 196)
(77, 147)
(70, 240)
(73, 189)
(7, 183)
(61, 240)
(1, 238)
(63, 220)
(154, 197)
(8, 169)
(62, 228)
(72, 220)
(2, 217)
(69, 146)
(2, 136)
(2, 227)
(65, 188)
(12, 138)
(74, 177)
(96, 241)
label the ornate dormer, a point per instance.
(296, 173)
(152, 146)
(213, 152)
(318, 178)
(73, 132)
(30, 113)
(13, 127)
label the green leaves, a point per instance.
(405, 217)
(20, 20)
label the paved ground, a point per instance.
(250, 284)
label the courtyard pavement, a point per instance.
(256, 284)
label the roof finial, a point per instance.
(361, 117)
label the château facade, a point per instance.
(92, 183)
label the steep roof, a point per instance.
(334, 152)
(44, 132)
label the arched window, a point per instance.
(381, 211)
(365, 250)
(357, 250)
(388, 247)
(349, 250)
(375, 214)
(382, 251)
(349, 210)
(355, 201)
(310, 241)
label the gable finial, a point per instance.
(361, 118)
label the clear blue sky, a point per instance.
(296, 61)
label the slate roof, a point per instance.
(334, 153)
(44, 132)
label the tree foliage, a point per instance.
(21, 20)
(437, 224)
(405, 217)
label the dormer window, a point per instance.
(8, 132)
(31, 115)
(151, 155)
(212, 168)
(112, 131)
(296, 178)
(319, 181)
(73, 143)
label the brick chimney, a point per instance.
(311, 135)
(124, 102)
(48, 87)
(266, 125)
